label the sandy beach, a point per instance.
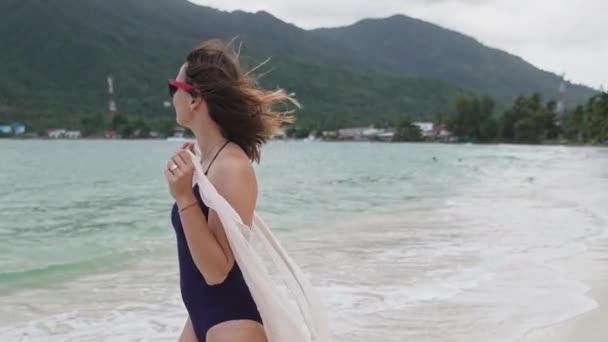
(486, 244)
(591, 326)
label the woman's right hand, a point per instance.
(179, 173)
(188, 146)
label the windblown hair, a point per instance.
(245, 112)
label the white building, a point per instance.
(386, 135)
(18, 129)
(370, 133)
(73, 134)
(15, 128)
(351, 133)
(279, 135)
(426, 128)
(56, 133)
(362, 134)
(63, 133)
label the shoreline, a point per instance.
(316, 140)
(589, 326)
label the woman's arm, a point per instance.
(234, 179)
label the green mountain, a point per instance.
(56, 55)
(410, 46)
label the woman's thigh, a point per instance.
(237, 331)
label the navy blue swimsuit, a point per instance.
(209, 305)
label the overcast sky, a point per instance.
(556, 35)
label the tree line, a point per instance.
(529, 120)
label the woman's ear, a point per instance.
(197, 102)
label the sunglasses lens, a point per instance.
(172, 90)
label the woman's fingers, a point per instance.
(187, 146)
(171, 165)
(179, 160)
(185, 156)
(170, 176)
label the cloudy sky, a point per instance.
(556, 35)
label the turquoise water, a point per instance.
(69, 208)
(404, 241)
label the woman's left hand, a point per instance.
(179, 172)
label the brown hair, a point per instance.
(242, 109)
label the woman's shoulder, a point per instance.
(232, 165)
(234, 178)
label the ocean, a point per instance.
(405, 242)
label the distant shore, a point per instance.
(548, 143)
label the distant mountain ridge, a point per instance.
(412, 46)
(56, 56)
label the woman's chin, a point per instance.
(184, 120)
(181, 121)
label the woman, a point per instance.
(231, 118)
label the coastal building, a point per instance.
(6, 129)
(18, 128)
(441, 132)
(15, 128)
(179, 134)
(355, 133)
(329, 135)
(56, 133)
(279, 135)
(73, 135)
(370, 133)
(386, 135)
(361, 134)
(63, 133)
(426, 128)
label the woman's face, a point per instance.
(182, 101)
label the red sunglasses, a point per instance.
(174, 85)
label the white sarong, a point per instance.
(291, 310)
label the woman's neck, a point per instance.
(209, 139)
